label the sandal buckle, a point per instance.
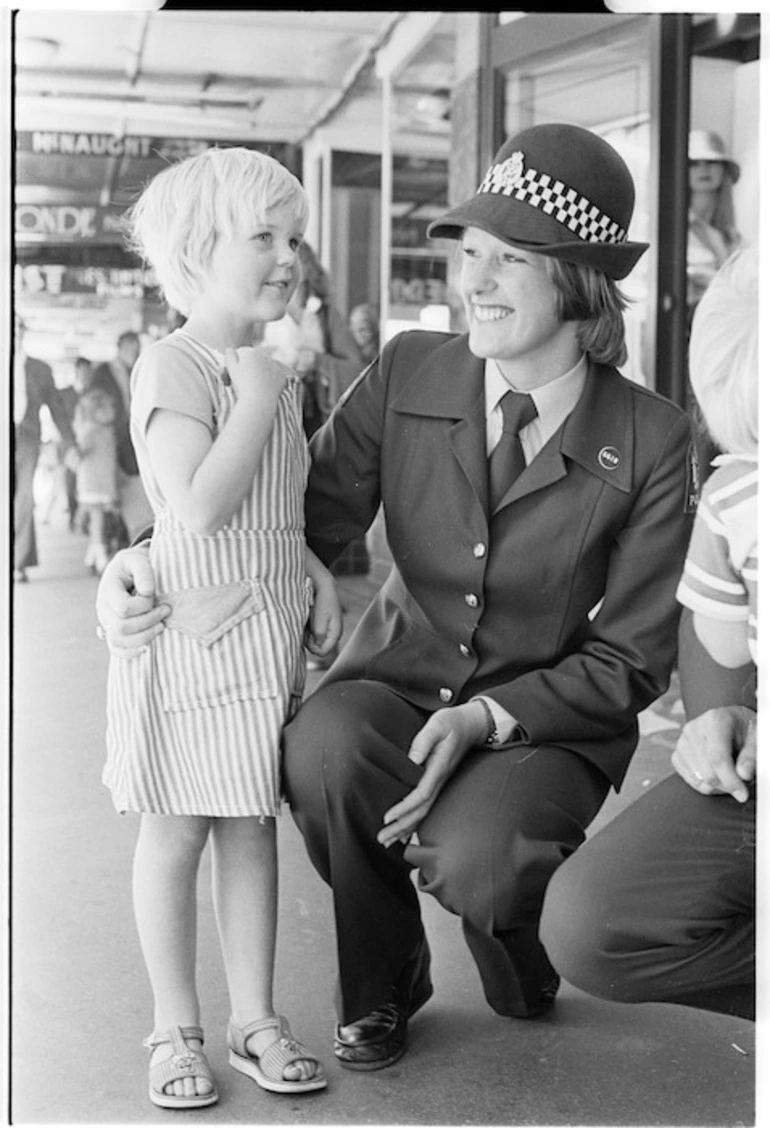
(184, 1062)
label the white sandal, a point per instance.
(182, 1063)
(268, 1068)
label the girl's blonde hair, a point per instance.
(595, 300)
(724, 354)
(184, 209)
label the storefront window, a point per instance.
(723, 181)
(601, 81)
(418, 271)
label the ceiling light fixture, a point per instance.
(36, 51)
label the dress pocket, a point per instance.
(216, 647)
(208, 613)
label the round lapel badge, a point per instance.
(609, 458)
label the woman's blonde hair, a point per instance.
(593, 299)
(724, 354)
(181, 213)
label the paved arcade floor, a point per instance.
(81, 1004)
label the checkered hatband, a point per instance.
(565, 204)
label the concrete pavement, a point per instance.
(80, 1001)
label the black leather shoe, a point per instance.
(379, 1038)
(546, 998)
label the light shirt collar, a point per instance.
(554, 401)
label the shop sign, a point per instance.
(50, 143)
(409, 232)
(57, 280)
(63, 223)
(53, 143)
(417, 281)
(418, 291)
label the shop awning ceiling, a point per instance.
(162, 79)
(104, 98)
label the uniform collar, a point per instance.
(446, 385)
(598, 434)
(554, 400)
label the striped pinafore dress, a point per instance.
(194, 720)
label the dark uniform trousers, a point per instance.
(487, 849)
(659, 905)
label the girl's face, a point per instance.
(706, 176)
(510, 304)
(251, 276)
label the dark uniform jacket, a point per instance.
(561, 605)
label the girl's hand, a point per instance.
(324, 627)
(255, 374)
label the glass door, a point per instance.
(594, 71)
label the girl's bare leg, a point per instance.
(245, 877)
(166, 862)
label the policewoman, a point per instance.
(535, 505)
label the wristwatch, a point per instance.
(493, 736)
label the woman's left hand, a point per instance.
(441, 745)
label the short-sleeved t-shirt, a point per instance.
(720, 572)
(175, 375)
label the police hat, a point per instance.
(555, 190)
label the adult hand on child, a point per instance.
(125, 602)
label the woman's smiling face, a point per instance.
(511, 306)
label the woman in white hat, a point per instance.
(711, 239)
(712, 235)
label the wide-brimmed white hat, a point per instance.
(703, 145)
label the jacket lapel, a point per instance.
(449, 385)
(597, 434)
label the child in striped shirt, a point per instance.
(719, 583)
(195, 719)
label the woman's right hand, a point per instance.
(125, 601)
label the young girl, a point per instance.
(97, 472)
(719, 582)
(195, 720)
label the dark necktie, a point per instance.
(506, 461)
